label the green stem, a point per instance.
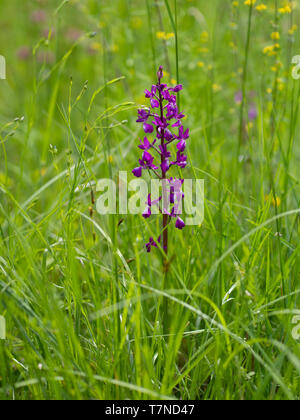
(244, 81)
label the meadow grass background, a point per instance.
(89, 314)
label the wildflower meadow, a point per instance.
(150, 202)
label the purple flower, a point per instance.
(148, 128)
(238, 99)
(154, 103)
(148, 94)
(179, 223)
(164, 151)
(161, 118)
(167, 96)
(143, 115)
(168, 135)
(146, 145)
(155, 202)
(137, 172)
(181, 146)
(165, 166)
(160, 74)
(177, 124)
(176, 195)
(252, 113)
(149, 202)
(147, 213)
(183, 135)
(152, 243)
(177, 88)
(172, 111)
(147, 158)
(181, 160)
(145, 163)
(160, 122)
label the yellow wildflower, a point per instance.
(293, 29)
(275, 201)
(200, 64)
(275, 35)
(270, 50)
(170, 35)
(204, 37)
(250, 2)
(261, 7)
(164, 36)
(285, 10)
(216, 87)
(160, 35)
(276, 66)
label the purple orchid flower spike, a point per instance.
(162, 118)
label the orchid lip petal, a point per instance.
(137, 172)
(179, 223)
(148, 128)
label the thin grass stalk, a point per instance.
(244, 82)
(161, 25)
(149, 14)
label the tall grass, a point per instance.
(83, 301)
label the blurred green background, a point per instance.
(80, 322)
